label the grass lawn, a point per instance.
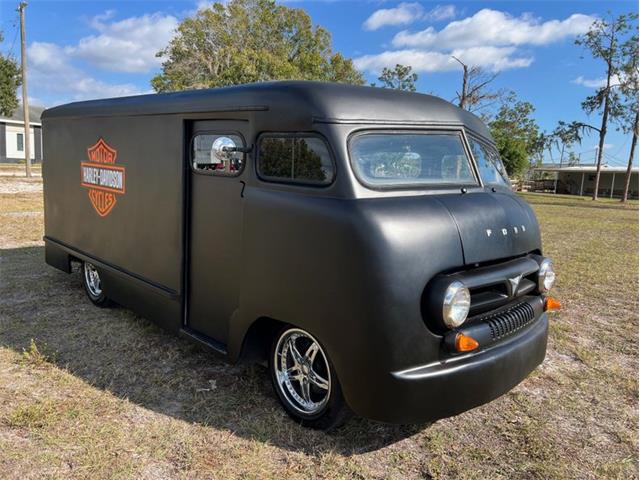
(91, 393)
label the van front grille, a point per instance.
(509, 321)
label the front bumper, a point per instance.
(445, 388)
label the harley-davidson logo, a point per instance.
(102, 177)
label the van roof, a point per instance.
(322, 102)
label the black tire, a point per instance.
(331, 412)
(90, 275)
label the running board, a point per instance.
(207, 342)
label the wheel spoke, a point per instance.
(295, 354)
(318, 381)
(305, 390)
(311, 352)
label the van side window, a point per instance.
(297, 159)
(489, 164)
(213, 153)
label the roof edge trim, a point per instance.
(231, 109)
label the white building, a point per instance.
(12, 136)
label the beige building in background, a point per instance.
(581, 180)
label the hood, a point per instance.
(492, 225)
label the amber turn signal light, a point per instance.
(551, 304)
(465, 343)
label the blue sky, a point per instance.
(89, 49)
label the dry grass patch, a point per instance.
(92, 393)
(16, 203)
(19, 169)
(21, 212)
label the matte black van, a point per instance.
(364, 242)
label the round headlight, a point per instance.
(455, 306)
(546, 276)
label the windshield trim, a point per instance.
(459, 132)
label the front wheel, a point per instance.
(305, 381)
(93, 285)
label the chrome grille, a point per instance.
(508, 321)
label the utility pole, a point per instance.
(25, 96)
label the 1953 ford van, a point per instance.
(364, 242)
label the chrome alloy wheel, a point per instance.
(302, 371)
(92, 280)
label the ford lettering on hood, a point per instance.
(492, 225)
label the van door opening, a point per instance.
(215, 225)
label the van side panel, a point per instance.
(352, 274)
(141, 235)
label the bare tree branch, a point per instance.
(474, 95)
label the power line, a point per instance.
(587, 150)
(623, 145)
(15, 35)
(7, 26)
(613, 159)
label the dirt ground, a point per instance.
(102, 393)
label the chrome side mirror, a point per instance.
(223, 150)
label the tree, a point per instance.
(538, 146)
(516, 134)
(513, 153)
(400, 78)
(244, 41)
(630, 116)
(605, 40)
(475, 94)
(573, 159)
(9, 82)
(634, 143)
(563, 137)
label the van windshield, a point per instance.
(406, 159)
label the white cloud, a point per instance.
(494, 28)
(591, 83)
(492, 58)
(97, 21)
(595, 82)
(51, 74)
(441, 12)
(201, 5)
(204, 4)
(606, 146)
(488, 39)
(128, 45)
(46, 58)
(406, 13)
(403, 14)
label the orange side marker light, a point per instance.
(551, 304)
(465, 343)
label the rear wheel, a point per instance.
(305, 381)
(93, 285)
